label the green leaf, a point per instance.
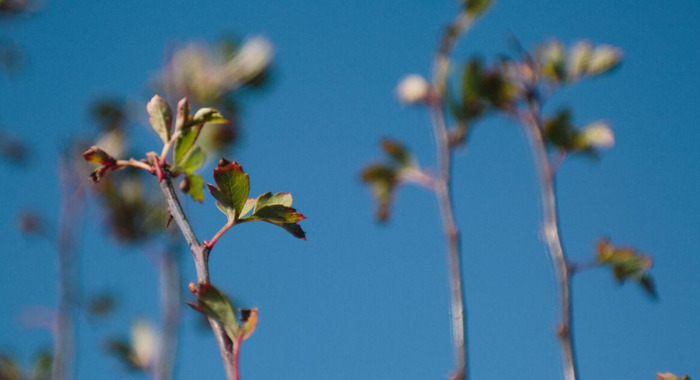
(560, 132)
(184, 144)
(193, 184)
(269, 199)
(471, 88)
(233, 188)
(383, 181)
(604, 59)
(552, 61)
(626, 263)
(276, 209)
(192, 161)
(579, 59)
(160, 117)
(208, 115)
(477, 7)
(398, 152)
(213, 303)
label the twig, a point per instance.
(200, 254)
(442, 187)
(550, 229)
(63, 363)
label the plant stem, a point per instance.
(454, 255)
(200, 254)
(550, 229)
(236, 355)
(62, 365)
(442, 188)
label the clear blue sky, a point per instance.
(359, 300)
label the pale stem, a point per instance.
(200, 254)
(442, 188)
(552, 237)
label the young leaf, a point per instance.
(184, 144)
(249, 317)
(398, 152)
(268, 199)
(183, 114)
(477, 7)
(193, 184)
(383, 181)
(627, 263)
(276, 209)
(192, 161)
(98, 156)
(604, 59)
(214, 304)
(233, 188)
(551, 59)
(160, 117)
(208, 115)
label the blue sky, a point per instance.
(361, 300)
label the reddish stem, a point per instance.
(210, 244)
(236, 354)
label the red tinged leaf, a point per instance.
(98, 156)
(232, 188)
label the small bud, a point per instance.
(252, 59)
(579, 58)
(193, 288)
(598, 135)
(413, 89)
(144, 339)
(604, 59)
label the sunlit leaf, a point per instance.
(214, 304)
(192, 161)
(160, 117)
(604, 59)
(276, 209)
(193, 184)
(233, 188)
(626, 263)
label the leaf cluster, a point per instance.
(385, 177)
(626, 264)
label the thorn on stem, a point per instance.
(170, 219)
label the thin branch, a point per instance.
(552, 237)
(200, 254)
(64, 328)
(442, 187)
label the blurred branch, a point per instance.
(62, 366)
(443, 190)
(552, 237)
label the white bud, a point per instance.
(604, 59)
(144, 341)
(413, 89)
(252, 59)
(598, 135)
